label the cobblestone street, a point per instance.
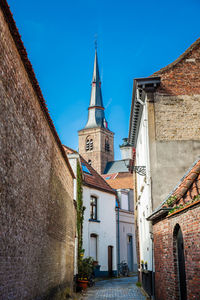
(115, 289)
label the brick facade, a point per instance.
(37, 215)
(166, 278)
(173, 121)
(98, 156)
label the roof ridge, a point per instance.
(176, 61)
(188, 181)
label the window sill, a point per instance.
(93, 220)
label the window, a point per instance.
(107, 145)
(85, 169)
(89, 162)
(124, 201)
(93, 208)
(89, 144)
(93, 246)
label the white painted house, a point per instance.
(99, 225)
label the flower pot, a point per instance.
(83, 284)
(95, 263)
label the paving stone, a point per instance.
(115, 289)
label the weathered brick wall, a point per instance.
(37, 216)
(173, 116)
(177, 100)
(166, 279)
(177, 117)
(182, 78)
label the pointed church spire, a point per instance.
(96, 117)
(96, 96)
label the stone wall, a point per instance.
(166, 278)
(37, 215)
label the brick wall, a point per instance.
(166, 278)
(182, 76)
(98, 156)
(173, 120)
(37, 216)
(177, 100)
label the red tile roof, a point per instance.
(95, 180)
(109, 176)
(69, 150)
(189, 187)
(29, 69)
(120, 181)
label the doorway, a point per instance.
(130, 252)
(110, 260)
(180, 263)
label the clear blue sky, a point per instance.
(135, 39)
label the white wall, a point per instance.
(126, 227)
(144, 191)
(105, 229)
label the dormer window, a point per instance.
(107, 145)
(89, 144)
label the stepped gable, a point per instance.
(95, 180)
(29, 69)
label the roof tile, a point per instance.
(95, 180)
(190, 186)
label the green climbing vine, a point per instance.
(80, 212)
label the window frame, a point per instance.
(93, 208)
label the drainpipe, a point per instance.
(118, 236)
(153, 289)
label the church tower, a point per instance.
(95, 139)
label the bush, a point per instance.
(85, 268)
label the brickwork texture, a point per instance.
(37, 215)
(166, 277)
(98, 156)
(174, 128)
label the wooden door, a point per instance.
(110, 259)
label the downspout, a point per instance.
(153, 288)
(118, 240)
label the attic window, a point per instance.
(85, 169)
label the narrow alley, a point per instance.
(118, 289)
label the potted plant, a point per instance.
(95, 263)
(146, 265)
(85, 270)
